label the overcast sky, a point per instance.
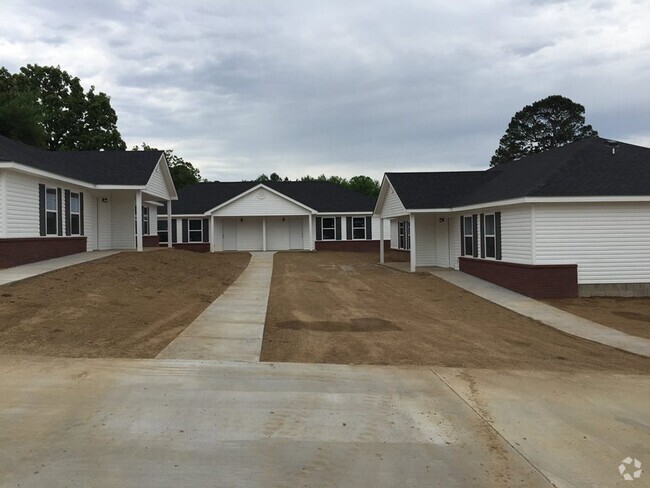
(340, 87)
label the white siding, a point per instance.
(90, 214)
(122, 220)
(442, 242)
(392, 206)
(425, 238)
(277, 233)
(261, 202)
(375, 228)
(394, 233)
(249, 234)
(22, 212)
(157, 185)
(454, 238)
(153, 220)
(516, 234)
(610, 242)
(3, 193)
(104, 225)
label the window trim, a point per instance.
(365, 230)
(493, 235)
(190, 230)
(323, 229)
(470, 235)
(55, 211)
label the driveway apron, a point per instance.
(231, 328)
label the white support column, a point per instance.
(138, 220)
(263, 233)
(311, 234)
(169, 223)
(413, 250)
(381, 240)
(213, 233)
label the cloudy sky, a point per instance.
(340, 87)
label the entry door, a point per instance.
(295, 233)
(229, 234)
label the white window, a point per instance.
(162, 231)
(358, 228)
(468, 224)
(145, 221)
(75, 214)
(328, 227)
(51, 211)
(404, 237)
(489, 239)
(195, 227)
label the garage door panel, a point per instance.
(249, 234)
(277, 233)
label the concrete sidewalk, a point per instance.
(231, 328)
(551, 316)
(17, 273)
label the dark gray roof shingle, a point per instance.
(321, 196)
(97, 167)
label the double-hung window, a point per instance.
(162, 231)
(328, 226)
(195, 230)
(468, 227)
(145, 221)
(404, 235)
(358, 227)
(51, 211)
(489, 239)
(75, 214)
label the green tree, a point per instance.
(364, 184)
(71, 118)
(550, 122)
(20, 114)
(183, 172)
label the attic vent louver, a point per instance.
(613, 145)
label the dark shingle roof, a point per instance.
(97, 167)
(583, 168)
(321, 196)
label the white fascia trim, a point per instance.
(162, 162)
(154, 204)
(184, 216)
(382, 197)
(341, 214)
(251, 190)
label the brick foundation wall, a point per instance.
(536, 281)
(14, 252)
(194, 246)
(351, 246)
(150, 241)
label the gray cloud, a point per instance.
(297, 87)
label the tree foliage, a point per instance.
(550, 122)
(70, 118)
(183, 172)
(362, 184)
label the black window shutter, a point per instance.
(174, 231)
(186, 233)
(81, 213)
(66, 198)
(319, 229)
(462, 235)
(41, 208)
(497, 234)
(482, 235)
(59, 207)
(368, 228)
(475, 232)
(206, 230)
(338, 228)
(348, 228)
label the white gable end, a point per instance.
(157, 185)
(390, 205)
(260, 202)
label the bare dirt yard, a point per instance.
(331, 307)
(129, 305)
(629, 315)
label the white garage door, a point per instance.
(246, 234)
(249, 234)
(277, 233)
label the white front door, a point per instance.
(295, 233)
(229, 234)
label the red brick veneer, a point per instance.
(150, 241)
(536, 281)
(17, 251)
(191, 246)
(353, 246)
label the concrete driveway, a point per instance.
(82, 422)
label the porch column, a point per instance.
(311, 235)
(169, 223)
(381, 240)
(412, 234)
(138, 220)
(263, 233)
(213, 233)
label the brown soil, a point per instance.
(330, 307)
(629, 315)
(129, 305)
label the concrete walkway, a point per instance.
(554, 317)
(17, 273)
(231, 328)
